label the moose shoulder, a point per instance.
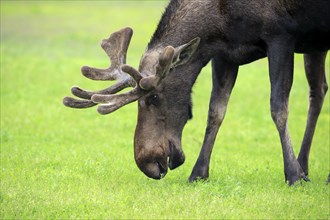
(230, 33)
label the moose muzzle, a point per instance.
(154, 162)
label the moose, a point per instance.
(229, 33)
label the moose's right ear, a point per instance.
(184, 52)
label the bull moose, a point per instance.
(230, 33)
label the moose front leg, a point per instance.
(315, 73)
(224, 77)
(280, 58)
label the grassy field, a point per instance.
(61, 163)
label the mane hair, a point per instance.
(165, 22)
(180, 18)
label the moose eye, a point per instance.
(153, 100)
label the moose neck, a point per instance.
(184, 20)
(181, 23)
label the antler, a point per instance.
(116, 48)
(144, 84)
(116, 101)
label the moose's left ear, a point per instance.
(184, 52)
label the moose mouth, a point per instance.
(162, 170)
(174, 160)
(159, 167)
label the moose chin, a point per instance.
(229, 33)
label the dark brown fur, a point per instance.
(232, 33)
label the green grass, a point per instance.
(60, 163)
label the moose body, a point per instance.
(230, 33)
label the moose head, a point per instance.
(164, 100)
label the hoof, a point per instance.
(293, 173)
(199, 173)
(197, 179)
(306, 178)
(293, 180)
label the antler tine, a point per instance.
(116, 101)
(85, 94)
(77, 103)
(116, 48)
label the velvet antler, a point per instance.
(116, 48)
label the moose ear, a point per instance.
(184, 52)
